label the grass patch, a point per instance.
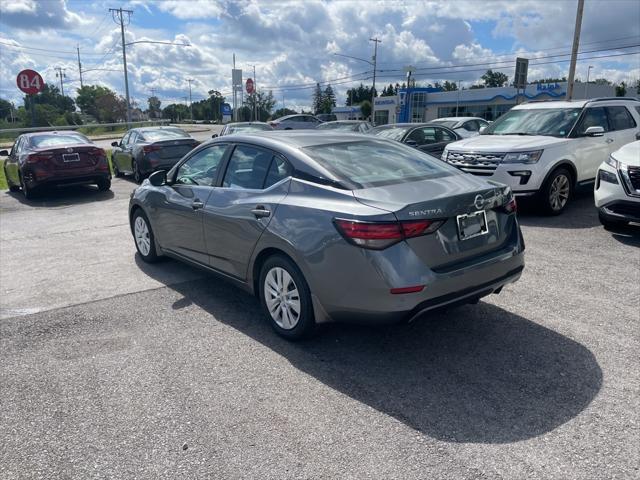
(3, 179)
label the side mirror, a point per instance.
(158, 178)
(482, 129)
(4, 153)
(115, 144)
(594, 132)
(411, 143)
(215, 135)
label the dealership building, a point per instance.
(423, 104)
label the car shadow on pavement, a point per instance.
(64, 196)
(580, 213)
(471, 374)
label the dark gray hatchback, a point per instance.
(331, 227)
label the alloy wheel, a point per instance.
(282, 298)
(136, 172)
(559, 192)
(141, 231)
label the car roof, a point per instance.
(455, 119)
(153, 129)
(293, 138)
(53, 132)
(294, 115)
(345, 121)
(246, 123)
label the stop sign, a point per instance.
(249, 86)
(30, 82)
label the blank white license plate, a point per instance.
(472, 225)
(70, 157)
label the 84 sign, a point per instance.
(30, 82)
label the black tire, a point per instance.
(149, 255)
(137, 174)
(611, 224)
(305, 325)
(104, 184)
(28, 192)
(557, 192)
(116, 171)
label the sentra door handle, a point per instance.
(196, 204)
(261, 212)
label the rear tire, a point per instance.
(557, 191)
(137, 175)
(286, 299)
(104, 185)
(116, 171)
(28, 192)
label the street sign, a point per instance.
(520, 78)
(249, 86)
(30, 82)
(236, 77)
(226, 109)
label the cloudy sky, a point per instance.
(292, 43)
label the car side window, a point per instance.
(620, 118)
(419, 135)
(247, 168)
(443, 135)
(133, 139)
(278, 170)
(287, 120)
(125, 139)
(16, 147)
(471, 126)
(202, 167)
(593, 117)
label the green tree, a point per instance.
(601, 81)
(621, 90)
(448, 86)
(176, 112)
(216, 99)
(282, 112)
(94, 100)
(365, 108)
(476, 86)
(265, 103)
(494, 79)
(317, 99)
(154, 109)
(328, 99)
(6, 110)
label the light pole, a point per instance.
(190, 102)
(60, 73)
(255, 94)
(458, 99)
(586, 85)
(373, 64)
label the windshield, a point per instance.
(553, 122)
(394, 133)
(372, 163)
(338, 126)
(45, 141)
(169, 134)
(247, 128)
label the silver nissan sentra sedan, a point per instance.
(329, 227)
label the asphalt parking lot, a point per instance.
(112, 368)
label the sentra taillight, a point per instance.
(380, 235)
(150, 148)
(511, 206)
(41, 157)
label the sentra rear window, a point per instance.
(394, 133)
(371, 163)
(46, 141)
(248, 128)
(158, 135)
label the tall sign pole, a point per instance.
(574, 49)
(373, 91)
(118, 17)
(30, 82)
(190, 102)
(79, 65)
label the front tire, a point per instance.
(286, 299)
(143, 236)
(556, 192)
(137, 174)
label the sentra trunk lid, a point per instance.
(448, 198)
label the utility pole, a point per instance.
(574, 49)
(60, 73)
(79, 65)
(118, 17)
(190, 102)
(586, 85)
(255, 94)
(373, 91)
(458, 98)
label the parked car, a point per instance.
(547, 149)
(243, 127)
(295, 122)
(463, 126)
(318, 234)
(143, 150)
(54, 158)
(617, 189)
(327, 117)
(427, 138)
(356, 126)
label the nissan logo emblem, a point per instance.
(478, 202)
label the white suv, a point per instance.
(617, 191)
(548, 148)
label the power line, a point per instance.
(43, 49)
